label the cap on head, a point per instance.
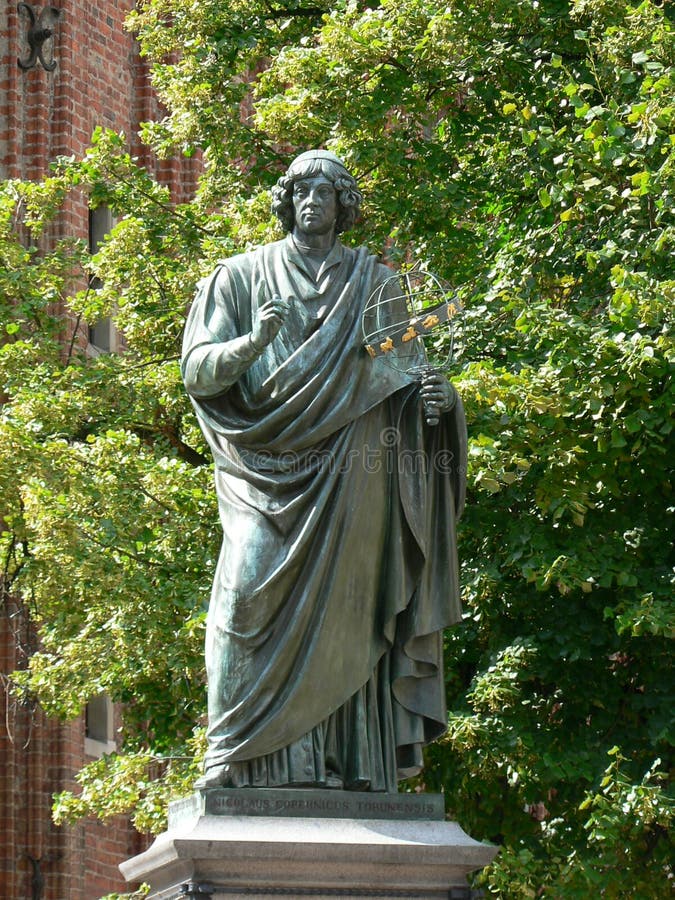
(309, 157)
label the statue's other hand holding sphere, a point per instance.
(438, 395)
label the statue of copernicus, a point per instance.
(338, 503)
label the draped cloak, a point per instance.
(338, 568)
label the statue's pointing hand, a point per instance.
(270, 317)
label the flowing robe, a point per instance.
(338, 569)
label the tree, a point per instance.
(524, 151)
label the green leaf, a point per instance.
(463, 139)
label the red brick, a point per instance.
(99, 80)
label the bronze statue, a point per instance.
(338, 503)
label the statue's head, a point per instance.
(312, 164)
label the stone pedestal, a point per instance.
(308, 843)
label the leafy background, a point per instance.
(526, 152)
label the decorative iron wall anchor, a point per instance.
(40, 30)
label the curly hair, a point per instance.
(348, 195)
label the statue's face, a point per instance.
(315, 204)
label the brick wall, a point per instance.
(39, 757)
(99, 80)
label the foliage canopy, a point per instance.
(525, 151)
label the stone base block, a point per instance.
(260, 856)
